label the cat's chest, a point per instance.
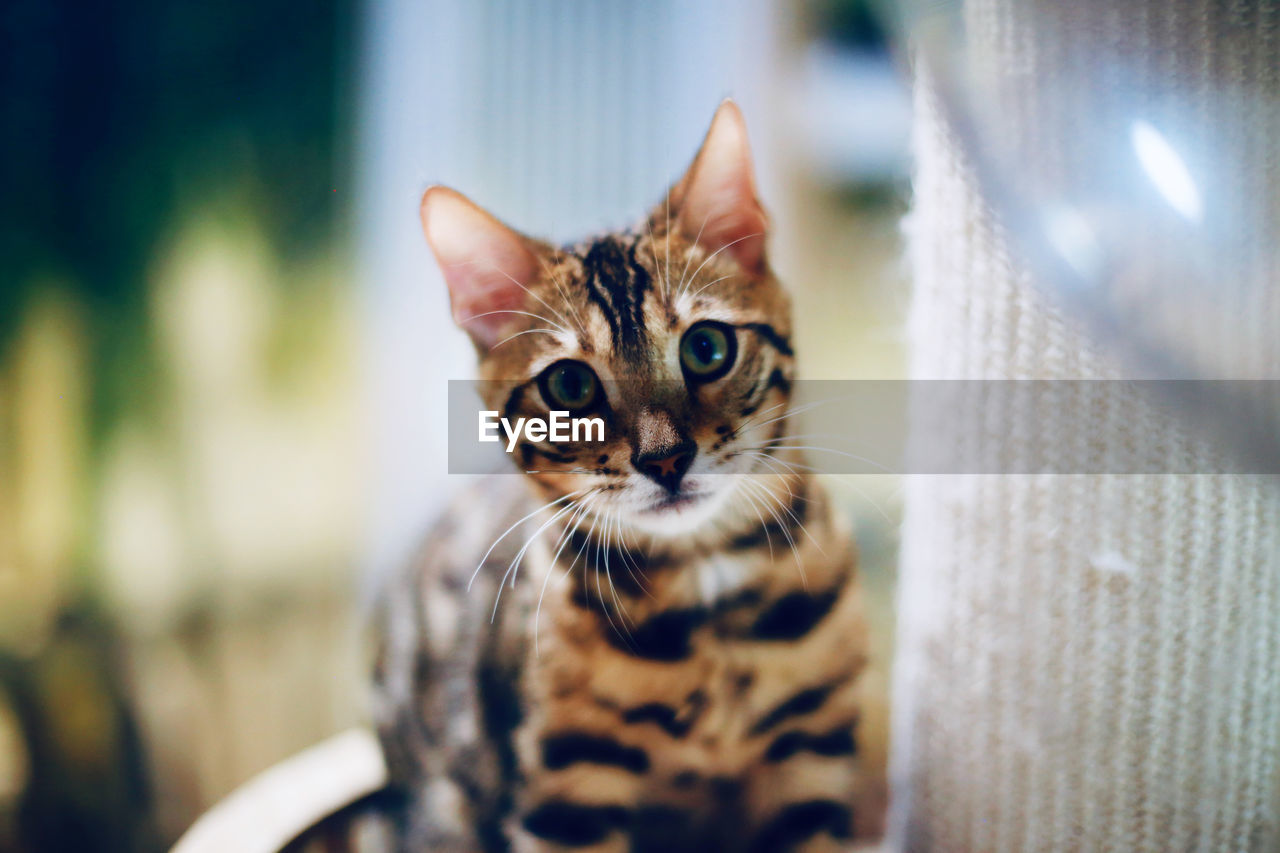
(659, 695)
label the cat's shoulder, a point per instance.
(469, 525)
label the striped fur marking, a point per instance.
(836, 742)
(801, 821)
(574, 825)
(562, 750)
(692, 691)
(804, 702)
(770, 334)
(663, 716)
(775, 529)
(617, 286)
(794, 615)
(664, 637)
(674, 721)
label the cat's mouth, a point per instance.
(681, 512)
(673, 503)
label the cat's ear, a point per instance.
(716, 199)
(486, 265)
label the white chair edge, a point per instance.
(280, 803)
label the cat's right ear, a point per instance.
(486, 265)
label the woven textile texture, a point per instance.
(1084, 662)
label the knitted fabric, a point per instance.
(1083, 662)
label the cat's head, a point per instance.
(676, 335)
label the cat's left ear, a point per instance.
(716, 199)
(487, 266)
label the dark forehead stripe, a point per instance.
(617, 283)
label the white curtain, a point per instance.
(1084, 662)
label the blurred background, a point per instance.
(224, 345)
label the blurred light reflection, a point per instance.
(1167, 170)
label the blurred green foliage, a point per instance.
(118, 117)
(121, 121)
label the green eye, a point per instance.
(569, 385)
(707, 351)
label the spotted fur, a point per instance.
(632, 667)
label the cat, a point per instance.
(672, 661)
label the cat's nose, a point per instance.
(667, 466)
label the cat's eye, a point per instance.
(569, 385)
(707, 351)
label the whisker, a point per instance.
(718, 251)
(604, 605)
(514, 567)
(667, 273)
(549, 307)
(627, 558)
(829, 478)
(622, 609)
(507, 532)
(564, 293)
(688, 256)
(776, 443)
(755, 507)
(844, 481)
(551, 332)
(795, 411)
(694, 295)
(746, 425)
(766, 497)
(546, 320)
(653, 250)
(571, 527)
(787, 509)
(792, 469)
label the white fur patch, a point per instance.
(720, 576)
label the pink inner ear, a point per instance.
(727, 223)
(486, 265)
(719, 208)
(484, 302)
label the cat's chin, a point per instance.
(667, 516)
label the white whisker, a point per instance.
(688, 256)
(507, 532)
(571, 527)
(694, 295)
(514, 566)
(546, 320)
(718, 251)
(776, 444)
(768, 496)
(551, 332)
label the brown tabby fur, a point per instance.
(633, 689)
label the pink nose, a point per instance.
(667, 467)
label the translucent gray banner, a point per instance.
(953, 426)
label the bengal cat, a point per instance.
(665, 653)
